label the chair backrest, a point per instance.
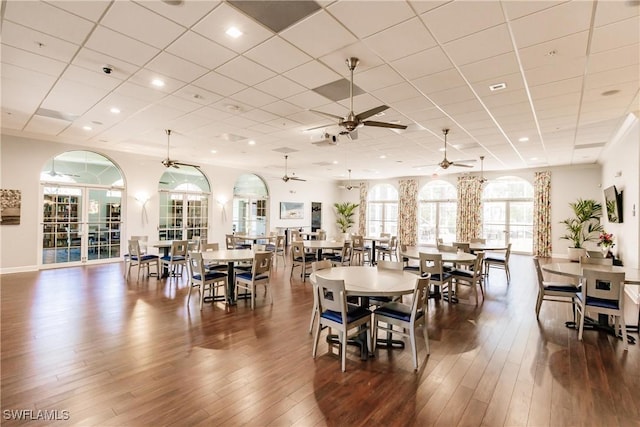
(477, 240)
(393, 243)
(387, 235)
(447, 248)
(420, 297)
(134, 247)
(143, 242)
(463, 246)
(596, 261)
(295, 235)
(331, 296)
(321, 265)
(205, 247)
(196, 266)
(390, 265)
(357, 242)
(439, 241)
(347, 251)
(322, 235)
(477, 265)
(261, 263)
(536, 263)
(297, 249)
(595, 254)
(603, 285)
(507, 254)
(431, 264)
(230, 241)
(179, 248)
(279, 244)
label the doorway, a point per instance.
(316, 216)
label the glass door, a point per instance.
(183, 216)
(80, 225)
(509, 222)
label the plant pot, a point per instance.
(574, 254)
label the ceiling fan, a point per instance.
(482, 178)
(286, 177)
(349, 186)
(445, 163)
(52, 173)
(168, 163)
(352, 121)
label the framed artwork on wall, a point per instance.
(10, 202)
(291, 210)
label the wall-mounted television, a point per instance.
(613, 203)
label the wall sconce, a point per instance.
(143, 198)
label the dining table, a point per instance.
(165, 247)
(230, 257)
(374, 242)
(320, 245)
(575, 270)
(369, 281)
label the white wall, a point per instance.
(21, 161)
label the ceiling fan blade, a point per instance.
(461, 165)
(333, 116)
(176, 163)
(371, 112)
(383, 124)
(295, 178)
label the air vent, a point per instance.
(338, 90)
(285, 150)
(56, 114)
(231, 137)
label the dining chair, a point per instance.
(463, 246)
(279, 250)
(478, 240)
(498, 260)
(140, 260)
(602, 292)
(596, 261)
(554, 291)
(213, 266)
(207, 282)
(300, 258)
(408, 266)
(322, 235)
(390, 249)
(335, 313)
(316, 266)
(471, 277)
(431, 265)
(260, 274)
(407, 317)
(177, 258)
(144, 241)
(342, 258)
(360, 251)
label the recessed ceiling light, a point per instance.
(233, 32)
(115, 110)
(523, 139)
(533, 159)
(383, 156)
(87, 127)
(214, 151)
(252, 142)
(497, 86)
(157, 82)
(335, 162)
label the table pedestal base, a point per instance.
(593, 325)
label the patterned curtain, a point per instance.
(542, 214)
(408, 212)
(362, 212)
(469, 208)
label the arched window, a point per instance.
(184, 204)
(508, 213)
(250, 201)
(81, 210)
(437, 204)
(382, 210)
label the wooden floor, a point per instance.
(106, 352)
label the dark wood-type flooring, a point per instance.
(118, 353)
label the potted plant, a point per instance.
(344, 215)
(583, 227)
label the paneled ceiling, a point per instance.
(570, 70)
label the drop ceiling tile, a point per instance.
(46, 125)
(175, 67)
(278, 55)
(513, 82)
(125, 18)
(282, 108)
(396, 92)
(36, 42)
(391, 44)
(377, 15)
(378, 78)
(555, 52)
(91, 10)
(140, 92)
(421, 6)
(612, 11)
(470, 18)
(412, 105)
(548, 74)
(518, 9)
(215, 24)
(71, 97)
(218, 83)
(253, 97)
(616, 35)
(451, 96)
(440, 81)
(120, 46)
(186, 13)
(144, 77)
(614, 78)
(493, 67)
(245, 71)
(93, 78)
(24, 89)
(179, 103)
(259, 116)
(30, 61)
(561, 87)
(47, 19)
(614, 58)
(480, 46)
(276, 15)
(423, 63)
(94, 61)
(200, 50)
(552, 23)
(280, 86)
(305, 35)
(464, 107)
(506, 98)
(308, 99)
(312, 74)
(337, 60)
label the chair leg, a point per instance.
(539, 302)
(425, 333)
(316, 340)
(343, 350)
(624, 332)
(414, 348)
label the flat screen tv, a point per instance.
(613, 202)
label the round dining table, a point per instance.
(320, 245)
(230, 257)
